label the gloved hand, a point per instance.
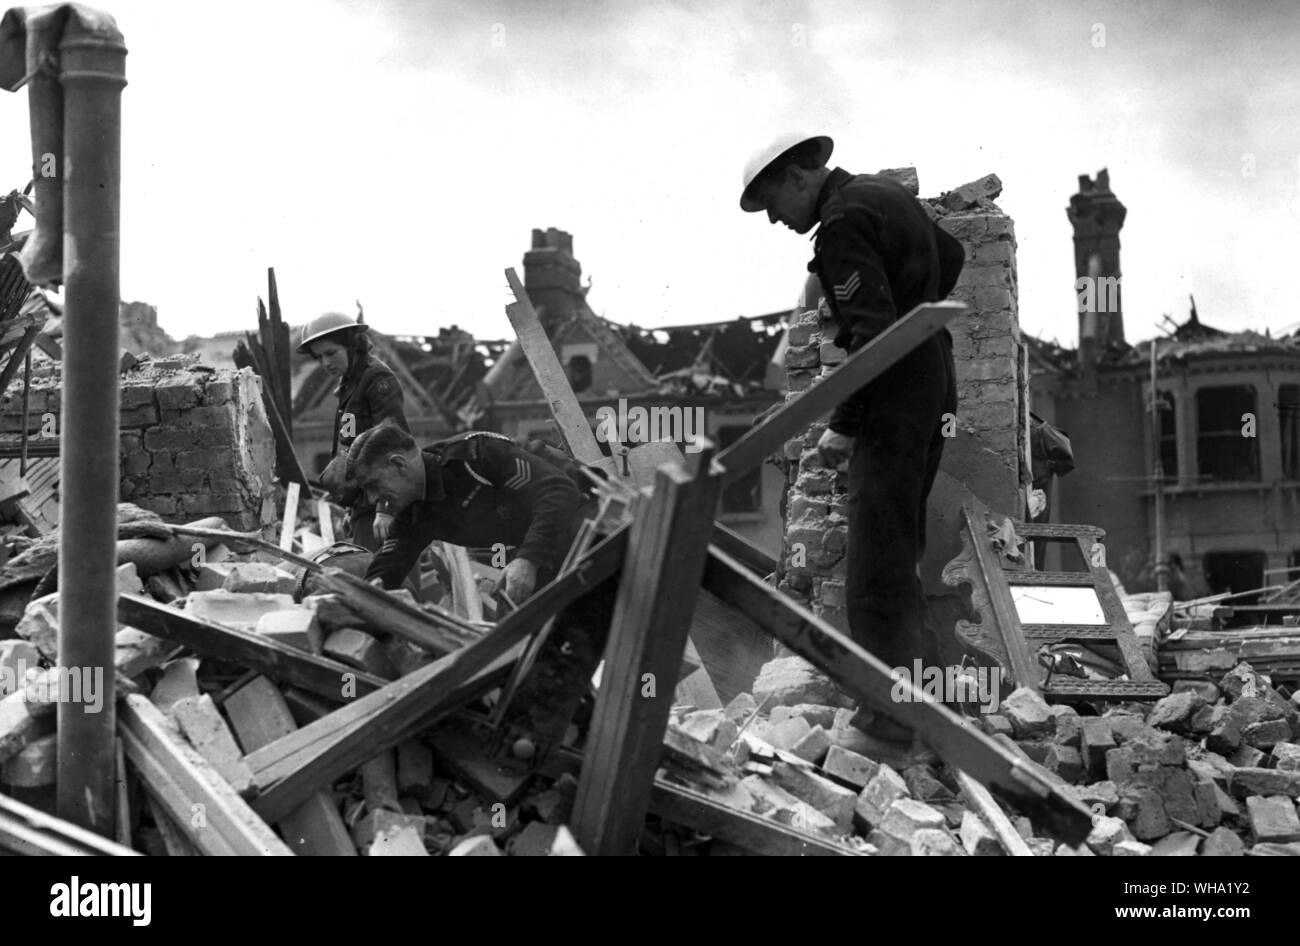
(835, 449)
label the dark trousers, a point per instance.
(895, 460)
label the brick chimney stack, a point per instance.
(552, 276)
(1097, 217)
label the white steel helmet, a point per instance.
(766, 156)
(327, 324)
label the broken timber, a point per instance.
(867, 678)
(290, 769)
(652, 617)
(860, 368)
(288, 664)
(178, 778)
(26, 830)
(537, 348)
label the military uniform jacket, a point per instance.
(878, 256)
(367, 394)
(481, 489)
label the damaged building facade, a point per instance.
(1225, 431)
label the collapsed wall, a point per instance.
(985, 455)
(195, 440)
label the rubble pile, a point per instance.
(1211, 770)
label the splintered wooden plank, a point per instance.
(761, 835)
(867, 678)
(377, 608)
(329, 678)
(859, 369)
(553, 381)
(27, 830)
(189, 789)
(652, 617)
(260, 716)
(291, 769)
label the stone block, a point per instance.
(1106, 833)
(1224, 730)
(813, 746)
(1097, 740)
(331, 612)
(1156, 747)
(1119, 766)
(1069, 732)
(1029, 714)
(1222, 843)
(1066, 762)
(783, 735)
(978, 838)
(934, 842)
(1273, 818)
(1175, 712)
(1144, 810)
(358, 649)
(921, 783)
(711, 727)
(1132, 849)
(179, 681)
(1241, 680)
(787, 681)
(253, 577)
(297, 628)
(1103, 793)
(206, 729)
(815, 714)
(1266, 734)
(830, 798)
(1256, 781)
(1178, 844)
(1286, 756)
(882, 791)
(740, 708)
(849, 767)
(211, 576)
(1246, 757)
(241, 611)
(906, 816)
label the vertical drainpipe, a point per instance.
(92, 74)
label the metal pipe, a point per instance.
(92, 59)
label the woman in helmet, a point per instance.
(368, 391)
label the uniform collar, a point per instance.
(352, 375)
(834, 181)
(433, 486)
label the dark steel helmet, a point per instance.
(327, 324)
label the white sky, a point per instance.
(401, 152)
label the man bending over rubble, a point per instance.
(479, 489)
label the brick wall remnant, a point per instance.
(985, 455)
(195, 440)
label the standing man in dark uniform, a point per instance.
(877, 255)
(368, 392)
(479, 489)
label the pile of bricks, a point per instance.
(1209, 770)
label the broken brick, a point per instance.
(1266, 734)
(831, 799)
(1097, 740)
(1132, 849)
(1240, 681)
(787, 681)
(1178, 844)
(252, 577)
(1144, 810)
(815, 714)
(813, 746)
(711, 727)
(358, 649)
(978, 838)
(1119, 766)
(1273, 818)
(922, 783)
(1257, 781)
(297, 628)
(1222, 843)
(241, 611)
(850, 767)
(1225, 731)
(1069, 732)
(934, 842)
(1028, 714)
(1155, 747)
(740, 708)
(1175, 712)
(883, 790)
(1106, 833)
(1286, 756)
(1104, 794)
(1065, 761)
(996, 723)
(783, 735)
(906, 816)
(1246, 757)
(34, 766)
(478, 845)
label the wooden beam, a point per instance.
(329, 678)
(260, 716)
(753, 832)
(986, 807)
(291, 769)
(861, 368)
(554, 383)
(17, 355)
(437, 632)
(26, 830)
(867, 678)
(180, 779)
(652, 617)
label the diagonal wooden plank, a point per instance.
(851, 666)
(652, 617)
(554, 383)
(290, 770)
(861, 368)
(275, 659)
